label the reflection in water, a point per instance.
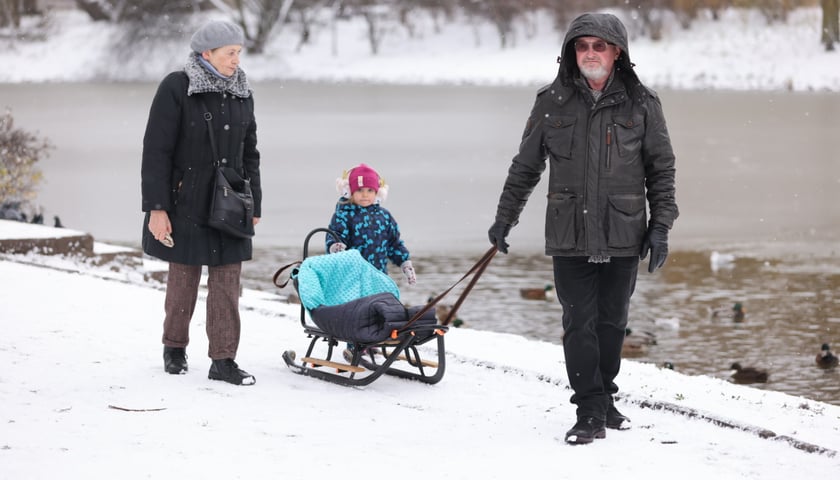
(791, 309)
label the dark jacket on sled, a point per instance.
(369, 319)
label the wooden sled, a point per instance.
(365, 366)
(414, 349)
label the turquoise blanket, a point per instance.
(339, 278)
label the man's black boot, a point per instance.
(616, 419)
(586, 430)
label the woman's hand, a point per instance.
(159, 224)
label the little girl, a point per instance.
(365, 225)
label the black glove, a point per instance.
(497, 234)
(656, 241)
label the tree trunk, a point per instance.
(10, 14)
(94, 10)
(830, 23)
(373, 31)
(30, 7)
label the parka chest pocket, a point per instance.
(629, 131)
(559, 132)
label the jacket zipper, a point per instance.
(586, 192)
(609, 147)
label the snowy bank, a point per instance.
(740, 51)
(84, 395)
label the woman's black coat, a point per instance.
(178, 172)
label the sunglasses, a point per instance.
(599, 46)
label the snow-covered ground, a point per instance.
(740, 51)
(84, 395)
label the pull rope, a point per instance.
(476, 271)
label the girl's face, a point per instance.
(363, 197)
(224, 59)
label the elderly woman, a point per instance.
(178, 175)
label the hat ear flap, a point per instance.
(382, 193)
(342, 184)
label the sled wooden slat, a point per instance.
(338, 366)
(426, 363)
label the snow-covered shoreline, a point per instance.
(738, 52)
(85, 396)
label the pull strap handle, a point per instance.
(280, 272)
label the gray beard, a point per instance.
(595, 74)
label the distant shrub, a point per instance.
(20, 152)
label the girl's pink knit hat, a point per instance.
(361, 176)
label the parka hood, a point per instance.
(601, 25)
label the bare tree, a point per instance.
(686, 11)
(830, 23)
(438, 10)
(716, 7)
(502, 14)
(10, 13)
(563, 12)
(775, 10)
(258, 18)
(135, 10)
(304, 14)
(374, 13)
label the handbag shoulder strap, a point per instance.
(209, 118)
(216, 163)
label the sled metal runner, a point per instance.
(399, 355)
(402, 359)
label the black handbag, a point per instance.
(232, 203)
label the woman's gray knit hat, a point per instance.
(215, 34)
